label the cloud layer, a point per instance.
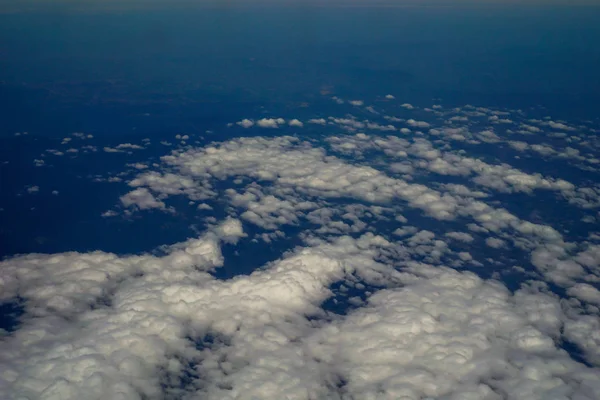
(410, 270)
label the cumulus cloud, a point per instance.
(270, 122)
(296, 123)
(362, 302)
(417, 124)
(141, 198)
(100, 325)
(246, 123)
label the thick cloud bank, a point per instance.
(411, 273)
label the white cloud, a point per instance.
(440, 337)
(495, 242)
(270, 122)
(585, 292)
(460, 236)
(160, 326)
(417, 124)
(246, 123)
(142, 198)
(470, 336)
(560, 125)
(129, 146)
(296, 122)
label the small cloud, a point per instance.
(142, 198)
(389, 97)
(129, 146)
(495, 243)
(296, 122)
(270, 122)
(138, 166)
(417, 124)
(372, 110)
(246, 123)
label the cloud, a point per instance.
(441, 336)
(367, 294)
(101, 325)
(296, 123)
(246, 123)
(143, 199)
(417, 124)
(270, 122)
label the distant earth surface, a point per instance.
(300, 202)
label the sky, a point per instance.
(242, 202)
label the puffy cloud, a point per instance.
(495, 242)
(417, 124)
(347, 313)
(270, 122)
(585, 292)
(460, 236)
(174, 184)
(100, 325)
(246, 123)
(290, 163)
(129, 146)
(560, 125)
(296, 122)
(141, 198)
(445, 335)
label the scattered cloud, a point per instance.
(371, 296)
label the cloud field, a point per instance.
(439, 253)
